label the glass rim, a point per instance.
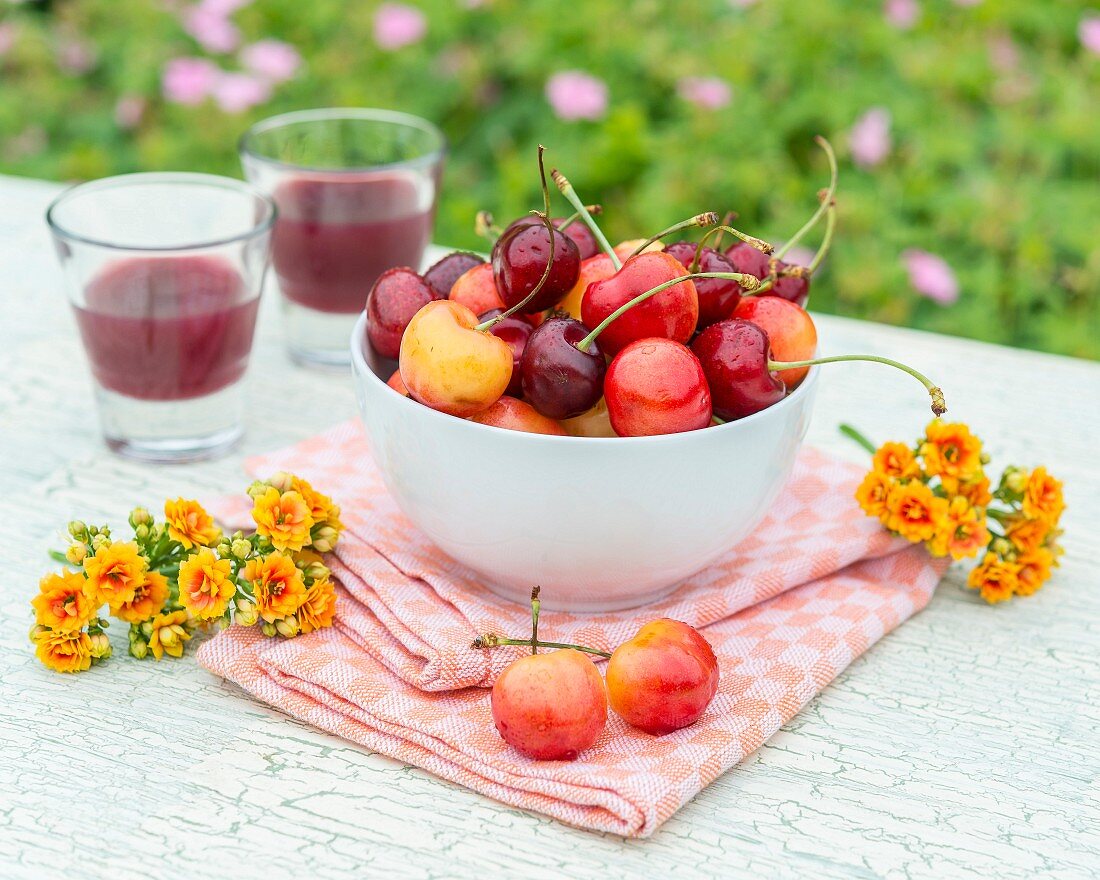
(172, 178)
(245, 146)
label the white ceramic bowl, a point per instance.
(599, 523)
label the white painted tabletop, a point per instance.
(964, 745)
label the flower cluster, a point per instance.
(183, 573)
(936, 492)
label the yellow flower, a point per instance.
(1043, 496)
(115, 572)
(321, 507)
(277, 585)
(1034, 570)
(64, 651)
(1027, 534)
(189, 524)
(997, 579)
(206, 584)
(168, 634)
(65, 602)
(962, 532)
(975, 490)
(951, 450)
(148, 599)
(872, 493)
(896, 460)
(285, 519)
(317, 609)
(913, 511)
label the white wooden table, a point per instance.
(966, 744)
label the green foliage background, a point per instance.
(995, 170)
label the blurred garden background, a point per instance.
(968, 130)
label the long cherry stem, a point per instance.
(830, 227)
(708, 218)
(490, 640)
(594, 210)
(939, 406)
(826, 199)
(566, 189)
(749, 282)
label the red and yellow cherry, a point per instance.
(672, 313)
(664, 678)
(515, 331)
(476, 290)
(448, 364)
(790, 330)
(656, 386)
(594, 423)
(550, 706)
(559, 379)
(519, 261)
(394, 381)
(718, 297)
(595, 268)
(395, 297)
(516, 415)
(442, 276)
(624, 249)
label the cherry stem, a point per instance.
(750, 282)
(856, 435)
(826, 199)
(536, 606)
(484, 226)
(830, 226)
(939, 406)
(594, 210)
(726, 221)
(566, 189)
(494, 641)
(708, 218)
(751, 240)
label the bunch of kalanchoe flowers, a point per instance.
(936, 492)
(183, 573)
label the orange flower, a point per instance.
(872, 493)
(64, 651)
(317, 609)
(168, 634)
(1026, 534)
(321, 507)
(896, 460)
(1043, 496)
(962, 533)
(64, 601)
(975, 490)
(283, 518)
(1034, 570)
(189, 524)
(913, 511)
(206, 584)
(277, 585)
(996, 578)
(951, 450)
(148, 599)
(115, 572)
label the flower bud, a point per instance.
(257, 489)
(139, 648)
(247, 613)
(37, 631)
(78, 530)
(282, 481)
(147, 629)
(99, 541)
(268, 629)
(1016, 480)
(139, 516)
(287, 626)
(1002, 547)
(101, 645)
(168, 636)
(141, 531)
(240, 548)
(93, 530)
(325, 539)
(316, 571)
(224, 549)
(76, 553)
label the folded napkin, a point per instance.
(813, 587)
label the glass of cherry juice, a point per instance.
(356, 191)
(164, 273)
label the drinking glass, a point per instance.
(164, 273)
(356, 191)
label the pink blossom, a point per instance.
(211, 29)
(224, 8)
(574, 94)
(743, 4)
(869, 139)
(189, 80)
(931, 277)
(75, 57)
(236, 92)
(129, 109)
(7, 37)
(1088, 32)
(397, 25)
(272, 59)
(902, 14)
(1003, 53)
(709, 92)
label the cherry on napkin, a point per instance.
(791, 606)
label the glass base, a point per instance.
(318, 339)
(167, 431)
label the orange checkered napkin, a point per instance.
(787, 610)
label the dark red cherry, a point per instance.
(748, 260)
(718, 297)
(515, 331)
(580, 233)
(791, 287)
(735, 355)
(442, 276)
(519, 260)
(396, 296)
(560, 380)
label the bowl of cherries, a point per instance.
(603, 421)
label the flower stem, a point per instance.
(939, 407)
(826, 199)
(494, 641)
(856, 435)
(708, 218)
(566, 189)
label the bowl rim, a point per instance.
(360, 365)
